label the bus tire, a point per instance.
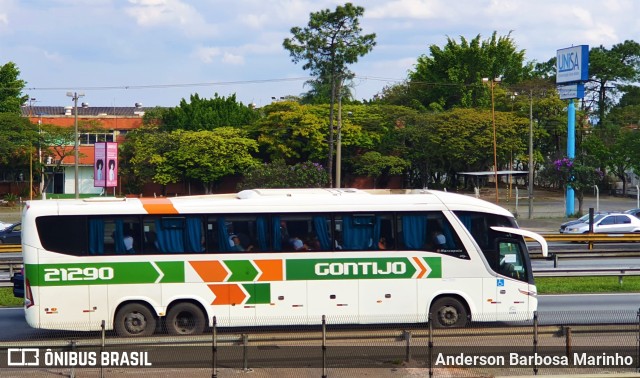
(448, 312)
(185, 319)
(134, 320)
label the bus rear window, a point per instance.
(63, 234)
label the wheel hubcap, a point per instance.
(449, 315)
(136, 323)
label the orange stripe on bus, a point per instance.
(210, 271)
(272, 270)
(423, 270)
(227, 294)
(158, 206)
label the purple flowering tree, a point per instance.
(579, 175)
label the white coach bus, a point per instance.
(273, 257)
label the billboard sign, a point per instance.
(105, 165)
(572, 64)
(569, 91)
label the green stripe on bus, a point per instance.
(363, 268)
(260, 293)
(105, 273)
(173, 271)
(241, 270)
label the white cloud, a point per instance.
(210, 55)
(207, 54)
(255, 21)
(417, 9)
(170, 13)
(233, 58)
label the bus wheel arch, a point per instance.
(449, 311)
(135, 319)
(186, 317)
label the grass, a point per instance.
(577, 285)
(7, 299)
(545, 285)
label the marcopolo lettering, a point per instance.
(365, 268)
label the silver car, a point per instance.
(607, 223)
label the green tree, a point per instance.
(291, 132)
(151, 155)
(208, 156)
(610, 69)
(139, 157)
(18, 138)
(330, 42)
(278, 174)
(16, 135)
(11, 87)
(373, 164)
(451, 76)
(443, 144)
(203, 114)
(619, 157)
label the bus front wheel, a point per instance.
(448, 312)
(134, 320)
(185, 319)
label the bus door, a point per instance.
(516, 264)
(512, 280)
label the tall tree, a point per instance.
(450, 76)
(609, 69)
(330, 42)
(11, 87)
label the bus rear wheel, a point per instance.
(185, 319)
(134, 320)
(448, 312)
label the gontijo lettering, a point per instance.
(366, 268)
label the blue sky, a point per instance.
(157, 52)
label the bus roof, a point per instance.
(270, 200)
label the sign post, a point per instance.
(572, 70)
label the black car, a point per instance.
(634, 212)
(18, 284)
(11, 234)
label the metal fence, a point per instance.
(551, 343)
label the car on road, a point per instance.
(582, 219)
(11, 234)
(607, 223)
(634, 212)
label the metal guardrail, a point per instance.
(10, 248)
(590, 238)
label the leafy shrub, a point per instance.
(280, 175)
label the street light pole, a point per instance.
(75, 96)
(31, 101)
(530, 154)
(339, 143)
(492, 83)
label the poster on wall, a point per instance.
(105, 165)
